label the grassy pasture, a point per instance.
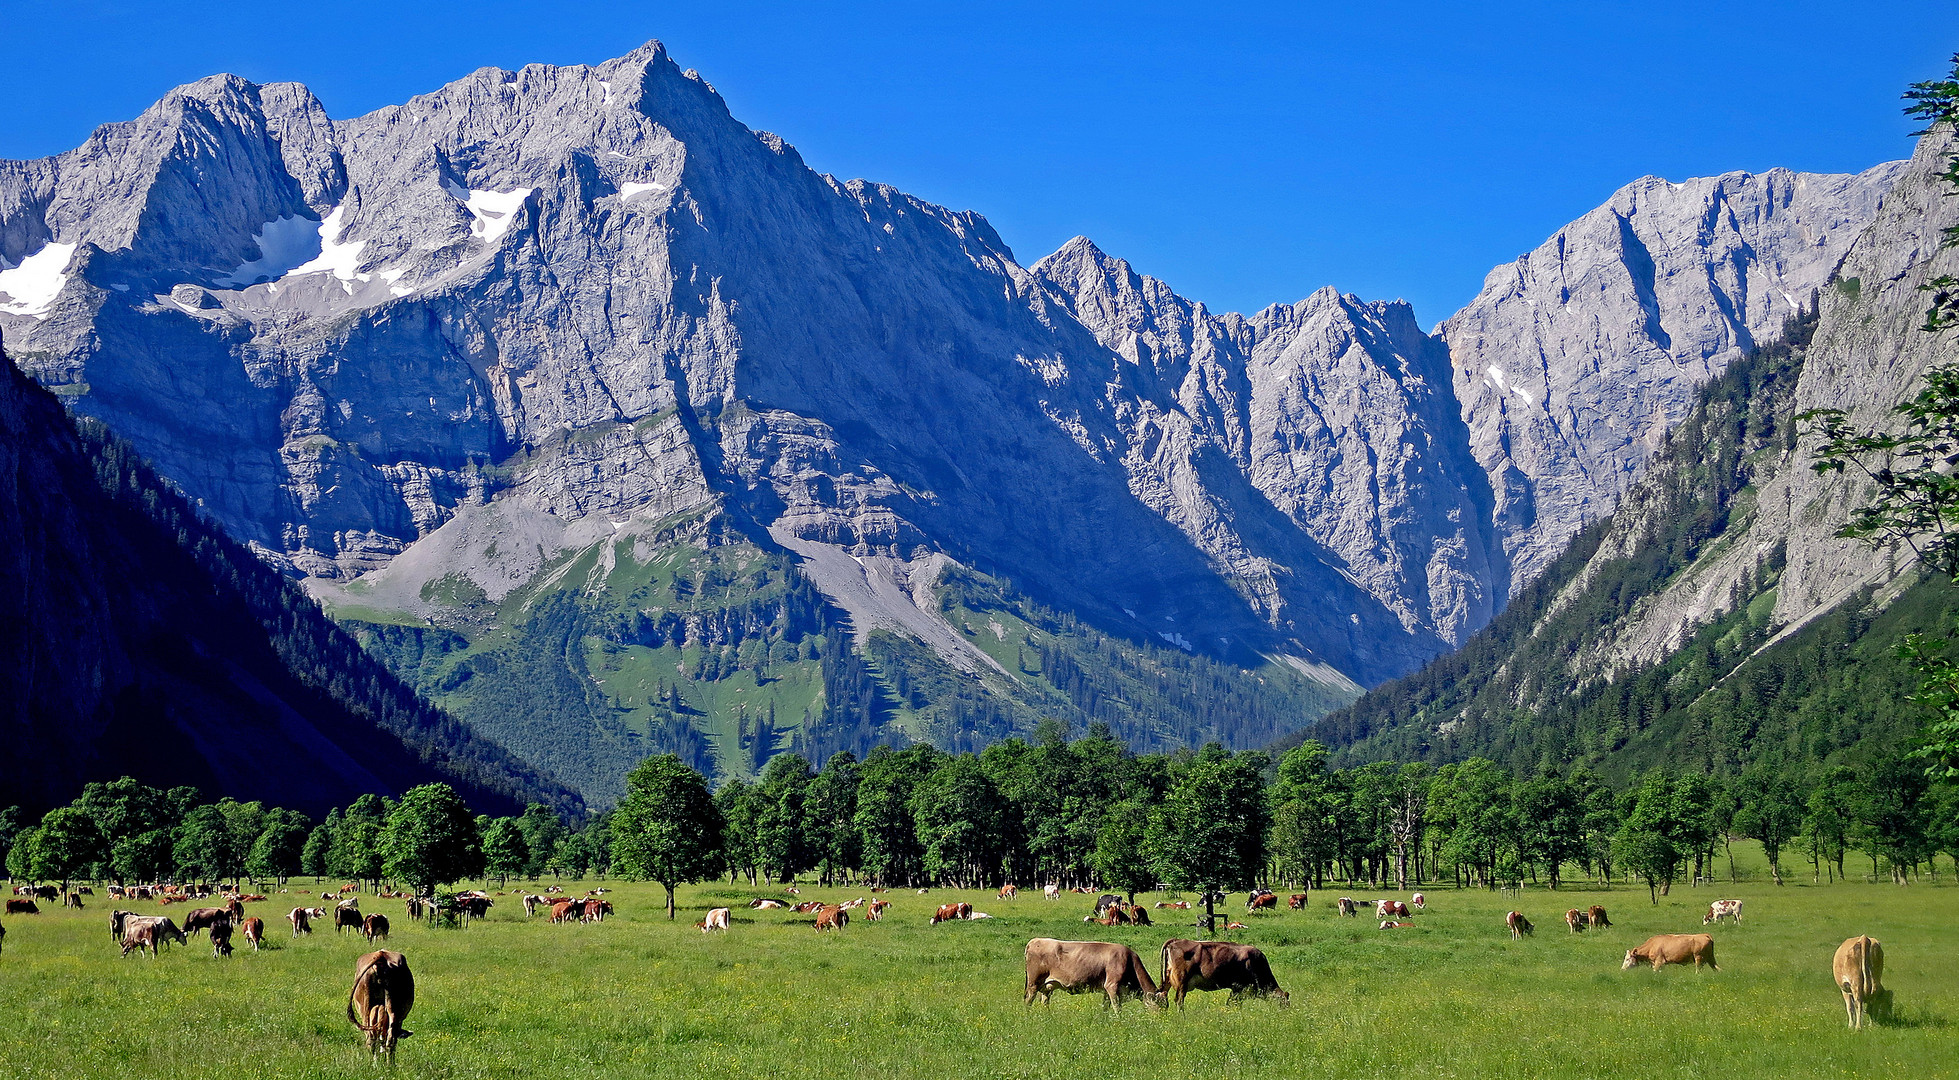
(638, 996)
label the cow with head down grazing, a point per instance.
(1663, 949)
(383, 993)
(949, 912)
(1520, 927)
(1080, 967)
(1217, 965)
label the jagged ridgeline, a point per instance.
(686, 635)
(136, 638)
(1541, 688)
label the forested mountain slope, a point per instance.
(138, 639)
(1715, 618)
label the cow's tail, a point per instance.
(1864, 966)
(354, 1017)
(1164, 979)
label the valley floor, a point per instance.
(640, 996)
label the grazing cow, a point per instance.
(254, 929)
(1575, 919)
(1397, 909)
(1008, 892)
(73, 900)
(345, 917)
(1348, 908)
(1050, 892)
(1079, 967)
(117, 919)
(597, 910)
(474, 907)
(1115, 916)
(236, 910)
(1663, 949)
(301, 920)
(948, 912)
(717, 919)
(1859, 971)
(1519, 926)
(221, 937)
(1217, 965)
(416, 907)
(44, 892)
(204, 918)
(1296, 901)
(1262, 901)
(568, 911)
(1139, 915)
(139, 936)
(1383, 908)
(22, 907)
(384, 991)
(1395, 924)
(1596, 917)
(1723, 909)
(374, 926)
(530, 905)
(1420, 902)
(876, 911)
(831, 917)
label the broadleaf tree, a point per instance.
(667, 828)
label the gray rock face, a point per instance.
(1575, 360)
(591, 291)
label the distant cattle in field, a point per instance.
(236, 910)
(301, 920)
(1104, 902)
(22, 907)
(254, 930)
(116, 921)
(1420, 902)
(1050, 892)
(1262, 901)
(416, 907)
(949, 912)
(347, 917)
(1575, 920)
(1008, 892)
(1858, 968)
(831, 917)
(1596, 917)
(73, 900)
(150, 932)
(1519, 926)
(374, 926)
(44, 892)
(876, 910)
(1723, 909)
(221, 937)
(1079, 967)
(530, 905)
(474, 907)
(383, 993)
(1395, 924)
(1348, 908)
(1180, 905)
(200, 919)
(1395, 909)
(1217, 965)
(808, 906)
(1236, 926)
(1663, 949)
(1139, 915)
(717, 919)
(1296, 901)
(597, 910)
(765, 904)
(1116, 915)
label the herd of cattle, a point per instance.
(384, 989)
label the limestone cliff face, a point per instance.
(1577, 359)
(592, 293)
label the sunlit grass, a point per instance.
(639, 996)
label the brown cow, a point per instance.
(1663, 949)
(1348, 908)
(149, 932)
(1180, 905)
(1296, 901)
(1575, 919)
(1859, 971)
(1519, 926)
(347, 917)
(1395, 909)
(116, 921)
(1596, 917)
(1008, 892)
(236, 910)
(1217, 965)
(73, 900)
(204, 918)
(948, 912)
(808, 906)
(22, 907)
(831, 917)
(254, 929)
(1115, 915)
(301, 920)
(374, 926)
(384, 991)
(876, 911)
(562, 911)
(1264, 901)
(1087, 966)
(221, 937)
(1139, 915)
(717, 919)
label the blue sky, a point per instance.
(1245, 153)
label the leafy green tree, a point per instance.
(201, 845)
(831, 812)
(1122, 851)
(316, 858)
(1209, 833)
(280, 846)
(1649, 842)
(960, 818)
(666, 829)
(67, 845)
(1696, 828)
(1551, 818)
(1602, 822)
(430, 839)
(572, 857)
(123, 808)
(146, 856)
(1301, 838)
(505, 854)
(887, 781)
(1890, 817)
(1769, 808)
(782, 826)
(245, 821)
(20, 854)
(739, 808)
(357, 852)
(1476, 799)
(542, 830)
(597, 835)
(1831, 814)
